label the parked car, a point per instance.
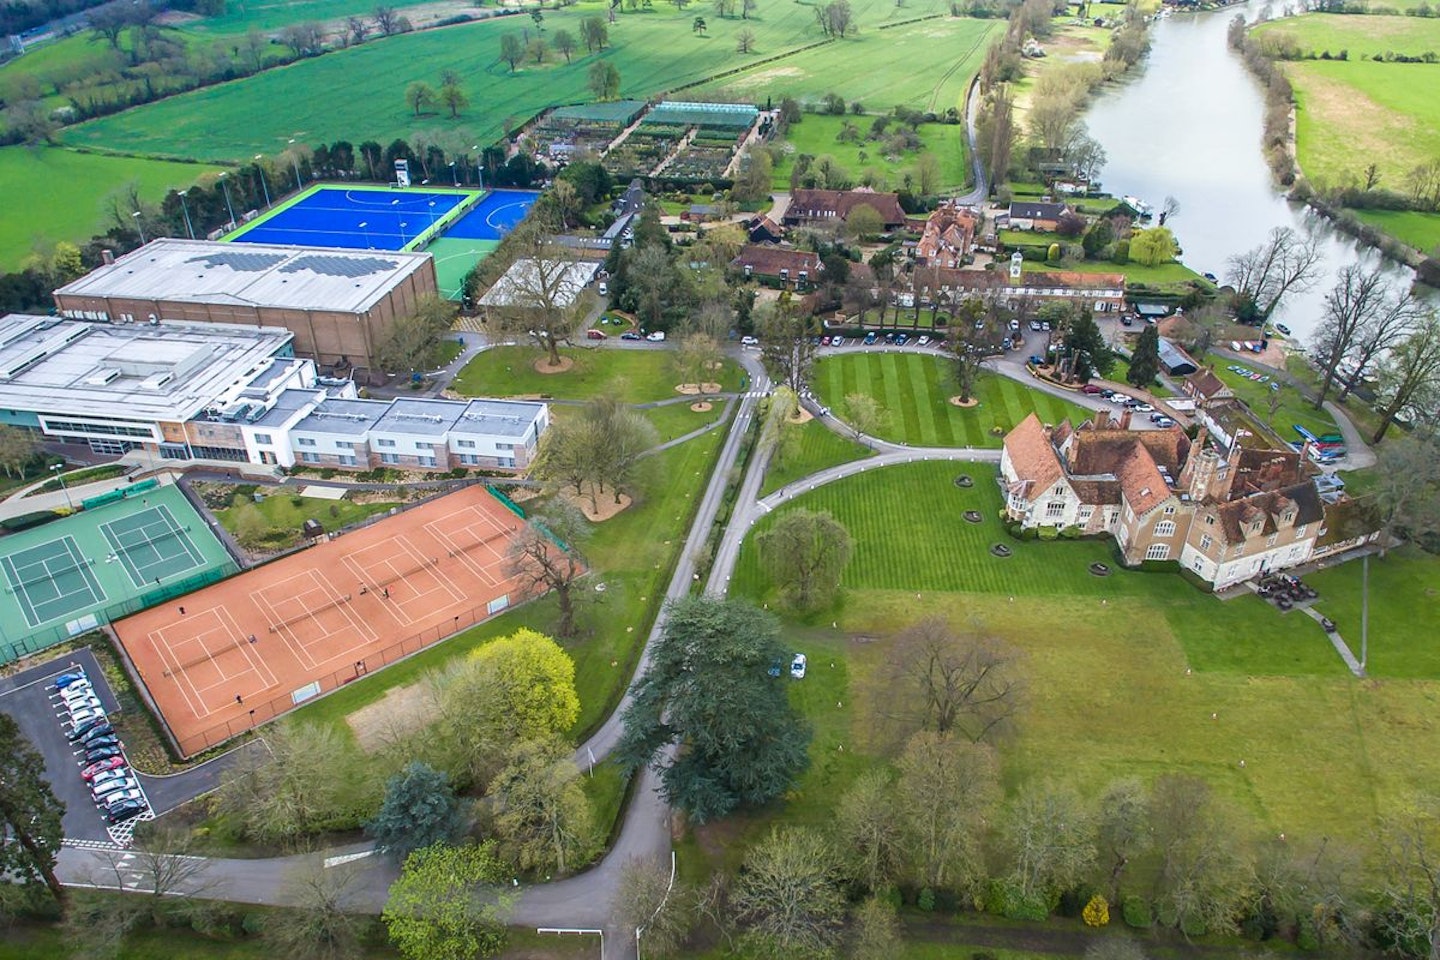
(1090, 388)
(119, 773)
(797, 667)
(902, 339)
(1125, 321)
(748, 341)
(1014, 324)
(631, 335)
(105, 751)
(132, 795)
(923, 340)
(114, 786)
(1035, 325)
(1143, 407)
(871, 338)
(777, 667)
(593, 334)
(1036, 360)
(124, 810)
(604, 288)
(84, 722)
(837, 341)
(83, 704)
(101, 766)
(655, 336)
(889, 338)
(1164, 421)
(74, 695)
(66, 679)
(1119, 399)
(825, 340)
(97, 732)
(76, 688)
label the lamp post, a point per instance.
(229, 207)
(296, 162)
(189, 228)
(432, 215)
(55, 468)
(263, 185)
(139, 225)
(479, 166)
(365, 225)
(403, 225)
(454, 173)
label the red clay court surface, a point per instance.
(321, 617)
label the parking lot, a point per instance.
(30, 697)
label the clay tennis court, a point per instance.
(243, 651)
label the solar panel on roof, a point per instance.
(339, 266)
(239, 260)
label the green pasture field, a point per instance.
(1162, 275)
(1135, 674)
(1419, 230)
(1403, 595)
(271, 15)
(53, 194)
(915, 391)
(358, 94)
(1354, 113)
(925, 65)
(815, 135)
(632, 376)
(1293, 409)
(814, 448)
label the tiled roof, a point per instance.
(1134, 458)
(1236, 513)
(1032, 456)
(769, 259)
(1036, 211)
(948, 233)
(1206, 385)
(839, 204)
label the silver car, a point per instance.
(111, 786)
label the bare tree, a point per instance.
(543, 299)
(320, 923)
(1122, 828)
(1410, 899)
(868, 832)
(387, 19)
(357, 30)
(645, 901)
(1263, 277)
(864, 414)
(1407, 491)
(788, 895)
(546, 556)
(1411, 371)
(1050, 838)
(805, 553)
(951, 681)
(1201, 875)
(1349, 306)
(697, 358)
(1393, 320)
(944, 794)
(786, 343)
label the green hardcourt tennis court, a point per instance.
(106, 561)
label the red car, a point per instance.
(100, 766)
(1090, 388)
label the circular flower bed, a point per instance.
(999, 550)
(973, 516)
(1100, 569)
(964, 480)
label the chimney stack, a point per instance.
(107, 257)
(1125, 418)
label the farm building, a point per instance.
(1176, 361)
(809, 208)
(339, 304)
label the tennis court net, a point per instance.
(121, 544)
(49, 576)
(338, 601)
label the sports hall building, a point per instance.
(338, 304)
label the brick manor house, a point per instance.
(1227, 512)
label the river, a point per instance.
(1187, 123)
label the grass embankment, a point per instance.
(284, 515)
(358, 93)
(1293, 408)
(630, 376)
(815, 136)
(1130, 674)
(53, 194)
(915, 389)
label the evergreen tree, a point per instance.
(30, 814)
(707, 691)
(1086, 348)
(1145, 361)
(419, 809)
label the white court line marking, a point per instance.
(442, 581)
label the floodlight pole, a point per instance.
(432, 216)
(1364, 611)
(403, 225)
(225, 185)
(365, 225)
(263, 185)
(479, 166)
(189, 228)
(55, 468)
(139, 225)
(455, 174)
(299, 185)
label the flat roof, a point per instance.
(251, 274)
(407, 416)
(529, 282)
(351, 418)
(285, 406)
(136, 371)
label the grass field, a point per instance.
(632, 376)
(1293, 409)
(1354, 113)
(285, 514)
(358, 93)
(677, 419)
(1420, 230)
(926, 65)
(914, 389)
(1133, 666)
(1163, 275)
(815, 135)
(814, 448)
(53, 194)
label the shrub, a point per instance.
(1136, 913)
(926, 900)
(1049, 533)
(1071, 532)
(1097, 912)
